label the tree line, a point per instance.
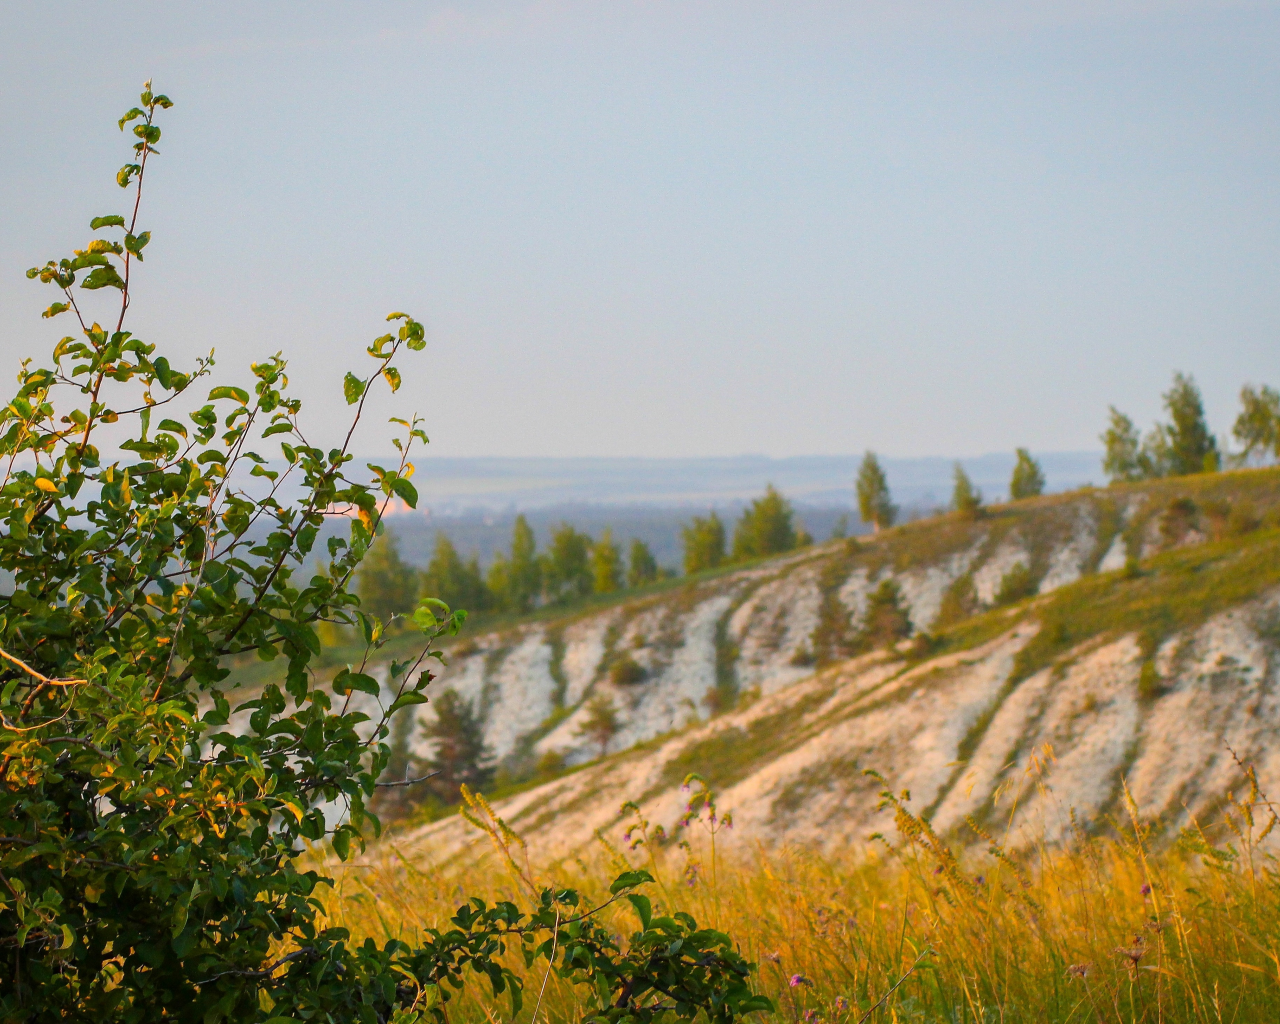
(573, 566)
(1185, 445)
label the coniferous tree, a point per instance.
(874, 504)
(1257, 428)
(886, 620)
(1122, 457)
(601, 724)
(455, 582)
(567, 569)
(644, 567)
(516, 580)
(1028, 477)
(387, 585)
(606, 564)
(766, 527)
(703, 543)
(1192, 448)
(1179, 448)
(965, 498)
(460, 754)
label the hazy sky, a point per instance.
(689, 228)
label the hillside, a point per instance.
(1102, 634)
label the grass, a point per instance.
(1107, 928)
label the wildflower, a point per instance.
(1078, 970)
(1132, 954)
(938, 870)
(797, 980)
(1146, 889)
(980, 880)
(842, 1004)
(811, 1016)
(727, 820)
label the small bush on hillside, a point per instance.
(626, 671)
(1179, 518)
(1016, 584)
(886, 620)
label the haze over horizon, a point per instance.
(665, 230)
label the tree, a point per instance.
(965, 498)
(703, 543)
(1191, 446)
(460, 756)
(149, 847)
(1028, 478)
(516, 581)
(886, 620)
(601, 723)
(1178, 448)
(387, 584)
(644, 567)
(1122, 458)
(874, 505)
(766, 527)
(606, 564)
(455, 582)
(568, 572)
(1257, 428)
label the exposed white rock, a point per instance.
(519, 696)
(987, 579)
(772, 625)
(584, 645)
(854, 592)
(1066, 564)
(923, 589)
(1117, 554)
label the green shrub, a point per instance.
(626, 671)
(1016, 584)
(149, 847)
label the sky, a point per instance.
(672, 228)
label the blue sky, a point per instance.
(677, 229)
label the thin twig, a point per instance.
(551, 962)
(410, 782)
(46, 680)
(885, 998)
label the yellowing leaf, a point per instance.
(47, 485)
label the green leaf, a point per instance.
(405, 490)
(629, 880)
(342, 842)
(102, 277)
(406, 699)
(352, 388)
(112, 220)
(643, 908)
(239, 394)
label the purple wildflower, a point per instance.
(799, 979)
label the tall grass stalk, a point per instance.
(1115, 925)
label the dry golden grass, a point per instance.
(1107, 928)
